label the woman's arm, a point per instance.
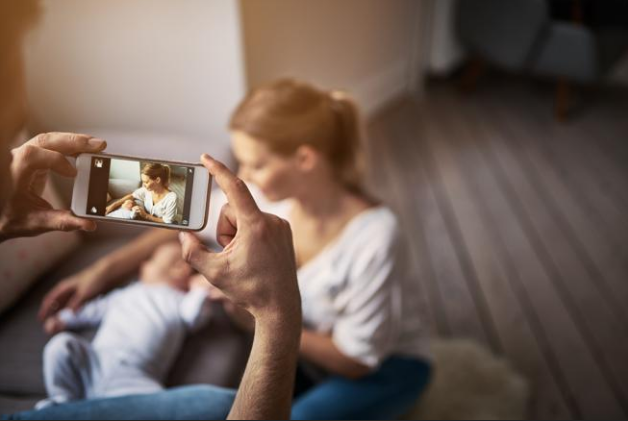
(320, 350)
(315, 348)
(115, 205)
(148, 217)
(105, 275)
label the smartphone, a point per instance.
(140, 191)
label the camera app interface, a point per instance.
(140, 191)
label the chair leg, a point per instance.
(563, 99)
(472, 73)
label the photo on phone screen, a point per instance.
(147, 191)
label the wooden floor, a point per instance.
(518, 230)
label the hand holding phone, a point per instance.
(139, 191)
(23, 210)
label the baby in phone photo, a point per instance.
(141, 330)
(126, 211)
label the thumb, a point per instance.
(200, 257)
(54, 220)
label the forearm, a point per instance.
(268, 385)
(151, 218)
(240, 317)
(115, 205)
(123, 262)
(320, 350)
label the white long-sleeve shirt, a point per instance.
(359, 289)
(166, 209)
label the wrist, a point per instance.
(282, 321)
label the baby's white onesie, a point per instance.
(142, 330)
(122, 214)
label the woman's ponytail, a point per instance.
(348, 154)
(155, 171)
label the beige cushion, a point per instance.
(24, 260)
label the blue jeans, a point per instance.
(186, 403)
(389, 393)
(386, 394)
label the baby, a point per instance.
(142, 329)
(125, 212)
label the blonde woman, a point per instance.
(364, 351)
(158, 203)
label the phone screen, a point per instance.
(147, 191)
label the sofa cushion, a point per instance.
(24, 260)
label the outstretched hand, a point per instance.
(257, 268)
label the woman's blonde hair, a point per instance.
(155, 171)
(288, 114)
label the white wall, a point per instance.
(120, 66)
(125, 170)
(445, 52)
(363, 46)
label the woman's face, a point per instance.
(150, 184)
(277, 177)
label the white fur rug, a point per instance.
(470, 383)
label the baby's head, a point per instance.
(167, 266)
(128, 205)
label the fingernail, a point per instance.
(206, 157)
(182, 236)
(97, 144)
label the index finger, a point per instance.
(236, 191)
(69, 144)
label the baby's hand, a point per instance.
(53, 325)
